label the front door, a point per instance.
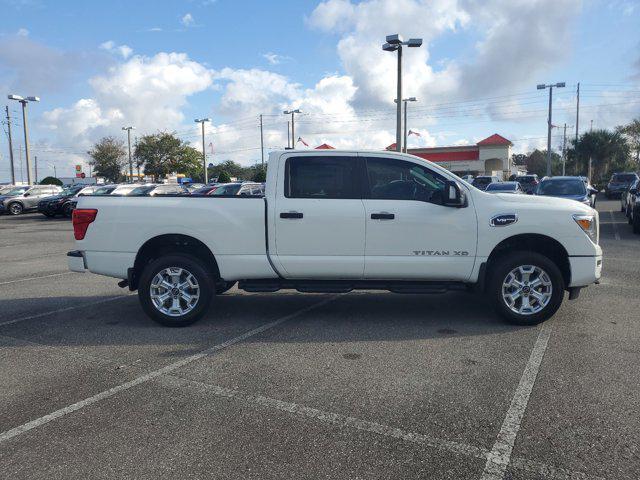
(410, 234)
(319, 217)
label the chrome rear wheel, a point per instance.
(174, 291)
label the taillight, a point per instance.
(81, 219)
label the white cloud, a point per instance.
(187, 20)
(274, 58)
(123, 50)
(23, 32)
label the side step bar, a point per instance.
(344, 286)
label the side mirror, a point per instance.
(26, 194)
(453, 195)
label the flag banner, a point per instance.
(300, 140)
(417, 134)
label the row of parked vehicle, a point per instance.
(630, 203)
(52, 200)
(573, 188)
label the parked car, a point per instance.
(634, 208)
(59, 204)
(529, 183)
(4, 189)
(205, 190)
(505, 187)
(619, 183)
(339, 221)
(96, 190)
(625, 198)
(160, 189)
(193, 186)
(26, 198)
(125, 188)
(244, 189)
(482, 181)
(467, 178)
(572, 188)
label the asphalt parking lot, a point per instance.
(363, 385)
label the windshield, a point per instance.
(231, 189)
(502, 187)
(103, 191)
(623, 178)
(17, 191)
(69, 191)
(141, 191)
(526, 179)
(562, 187)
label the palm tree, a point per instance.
(609, 151)
(631, 131)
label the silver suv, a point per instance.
(26, 198)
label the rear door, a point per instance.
(319, 217)
(410, 234)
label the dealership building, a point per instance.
(491, 156)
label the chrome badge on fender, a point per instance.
(503, 220)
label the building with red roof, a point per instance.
(325, 146)
(489, 156)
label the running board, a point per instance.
(345, 286)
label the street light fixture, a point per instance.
(542, 86)
(293, 127)
(24, 102)
(128, 129)
(201, 121)
(405, 101)
(395, 43)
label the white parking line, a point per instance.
(4, 436)
(36, 278)
(61, 310)
(615, 227)
(500, 455)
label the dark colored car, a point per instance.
(619, 183)
(529, 183)
(505, 187)
(206, 190)
(634, 207)
(482, 182)
(163, 189)
(59, 204)
(572, 188)
(98, 190)
(626, 198)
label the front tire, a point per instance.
(175, 290)
(15, 208)
(525, 288)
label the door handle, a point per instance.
(291, 215)
(382, 216)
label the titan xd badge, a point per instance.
(503, 220)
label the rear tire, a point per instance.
(67, 210)
(168, 296)
(540, 294)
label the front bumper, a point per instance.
(585, 270)
(76, 261)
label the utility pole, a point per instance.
(591, 127)
(405, 101)
(288, 132)
(35, 160)
(20, 158)
(293, 125)
(564, 150)
(135, 142)
(201, 121)
(577, 112)
(261, 142)
(128, 129)
(13, 173)
(549, 124)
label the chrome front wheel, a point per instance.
(174, 291)
(527, 289)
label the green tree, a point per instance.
(259, 174)
(609, 151)
(631, 132)
(536, 162)
(163, 153)
(232, 169)
(224, 177)
(51, 181)
(108, 158)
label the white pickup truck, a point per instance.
(337, 221)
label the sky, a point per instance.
(158, 65)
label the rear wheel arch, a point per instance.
(536, 243)
(171, 244)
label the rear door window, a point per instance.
(322, 177)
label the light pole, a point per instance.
(293, 126)
(395, 43)
(13, 171)
(24, 101)
(405, 101)
(128, 129)
(550, 87)
(201, 121)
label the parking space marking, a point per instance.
(19, 430)
(499, 458)
(616, 234)
(61, 310)
(36, 278)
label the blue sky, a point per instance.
(98, 66)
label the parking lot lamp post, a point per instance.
(395, 43)
(405, 101)
(128, 129)
(201, 121)
(550, 86)
(24, 101)
(293, 125)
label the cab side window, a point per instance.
(322, 177)
(393, 179)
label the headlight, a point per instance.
(589, 225)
